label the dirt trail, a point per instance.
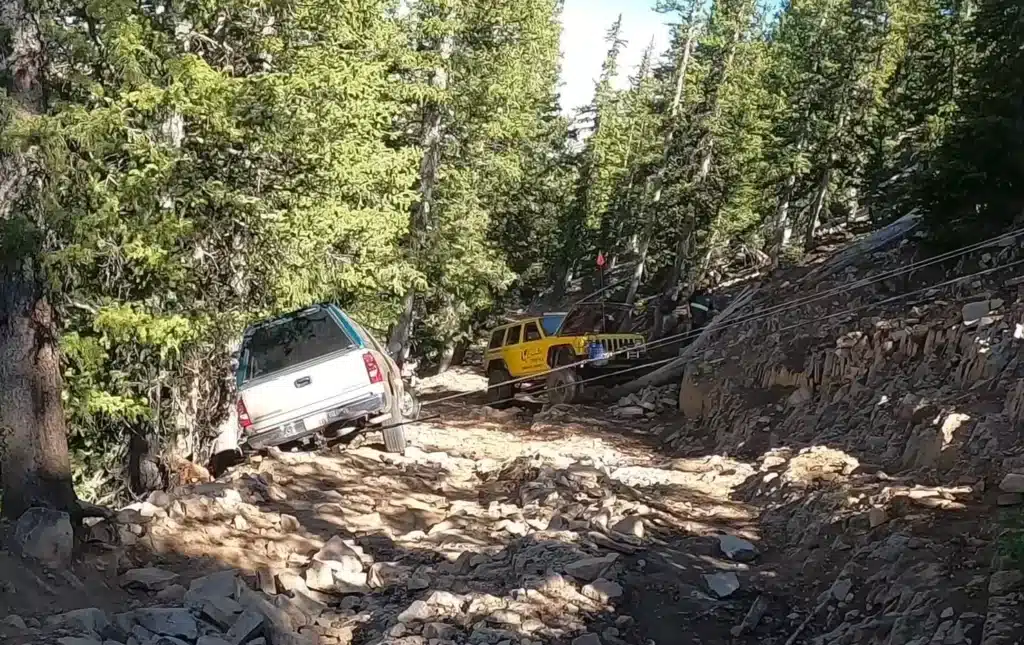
(565, 526)
(498, 527)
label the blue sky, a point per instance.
(584, 25)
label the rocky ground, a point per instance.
(514, 527)
(499, 527)
(860, 482)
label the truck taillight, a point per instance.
(372, 369)
(244, 422)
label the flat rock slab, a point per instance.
(1005, 582)
(723, 584)
(168, 622)
(589, 569)
(736, 548)
(1012, 483)
(215, 585)
(340, 556)
(602, 590)
(248, 626)
(89, 619)
(148, 579)
(418, 610)
(221, 612)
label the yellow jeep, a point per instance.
(533, 346)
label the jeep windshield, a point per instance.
(594, 318)
(551, 323)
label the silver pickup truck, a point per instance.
(317, 372)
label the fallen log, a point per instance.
(674, 370)
(876, 240)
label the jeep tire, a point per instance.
(499, 391)
(563, 386)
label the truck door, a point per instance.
(532, 349)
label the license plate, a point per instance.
(314, 422)
(633, 353)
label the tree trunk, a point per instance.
(459, 355)
(34, 463)
(638, 270)
(33, 446)
(398, 344)
(821, 195)
(678, 262)
(433, 117)
(563, 280)
(820, 198)
(783, 228)
(445, 361)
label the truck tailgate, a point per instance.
(305, 389)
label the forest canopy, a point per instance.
(173, 170)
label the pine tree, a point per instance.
(694, 205)
(686, 33)
(503, 68)
(437, 20)
(601, 163)
(926, 62)
(831, 64)
(185, 191)
(973, 186)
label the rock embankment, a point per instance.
(887, 441)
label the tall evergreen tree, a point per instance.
(693, 204)
(973, 185)
(601, 163)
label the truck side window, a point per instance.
(496, 338)
(513, 335)
(532, 333)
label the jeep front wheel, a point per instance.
(563, 386)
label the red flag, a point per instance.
(600, 260)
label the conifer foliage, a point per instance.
(171, 171)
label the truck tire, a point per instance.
(394, 439)
(499, 391)
(563, 386)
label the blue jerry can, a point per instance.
(597, 353)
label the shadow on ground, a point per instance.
(532, 547)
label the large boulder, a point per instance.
(45, 535)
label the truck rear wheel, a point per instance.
(500, 392)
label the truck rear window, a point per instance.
(283, 345)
